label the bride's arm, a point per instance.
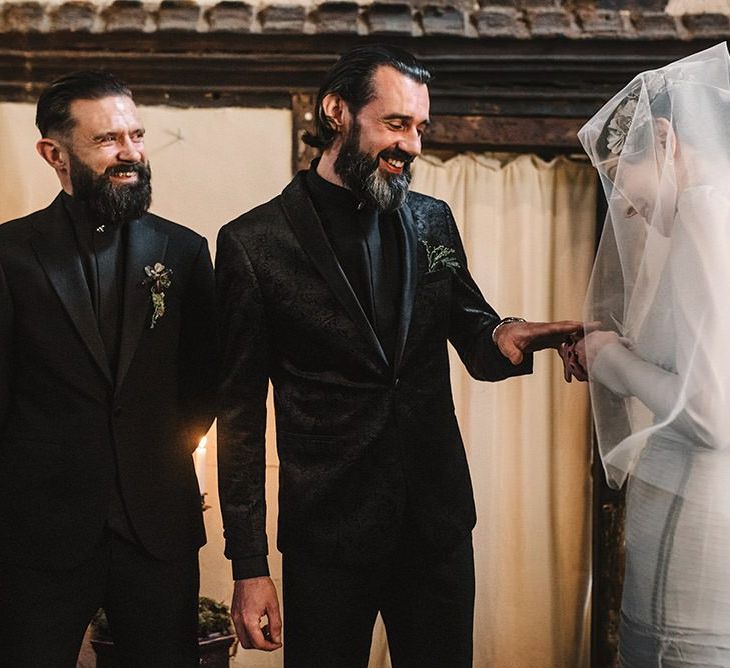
(696, 400)
(625, 373)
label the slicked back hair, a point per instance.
(351, 78)
(53, 111)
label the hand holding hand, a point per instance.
(514, 339)
(253, 599)
(587, 348)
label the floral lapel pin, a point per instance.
(159, 278)
(440, 257)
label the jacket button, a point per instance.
(396, 382)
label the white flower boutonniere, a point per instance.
(159, 278)
(440, 257)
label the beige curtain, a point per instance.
(528, 229)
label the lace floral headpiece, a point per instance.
(620, 124)
(628, 112)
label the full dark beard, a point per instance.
(361, 174)
(107, 201)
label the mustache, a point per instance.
(139, 167)
(397, 154)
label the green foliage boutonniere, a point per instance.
(440, 257)
(159, 278)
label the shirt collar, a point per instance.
(327, 194)
(76, 209)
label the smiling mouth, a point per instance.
(392, 165)
(125, 175)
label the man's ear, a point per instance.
(52, 152)
(335, 111)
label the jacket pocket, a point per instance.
(435, 276)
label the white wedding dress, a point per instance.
(676, 598)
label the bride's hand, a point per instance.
(591, 344)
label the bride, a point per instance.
(660, 366)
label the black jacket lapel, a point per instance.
(308, 229)
(146, 245)
(57, 251)
(410, 275)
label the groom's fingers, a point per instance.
(540, 335)
(274, 625)
(512, 352)
(516, 338)
(241, 630)
(237, 606)
(241, 633)
(592, 326)
(259, 636)
(572, 367)
(256, 634)
(506, 339)
(563, 353)
(253, 599)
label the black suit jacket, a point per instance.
(66, 424)
(360, 442)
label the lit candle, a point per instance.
(200, 464)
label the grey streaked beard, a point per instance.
(360, 173)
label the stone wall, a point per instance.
(511, 19)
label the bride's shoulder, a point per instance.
(703, 202)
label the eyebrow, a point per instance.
(405, 117)
(99, 136)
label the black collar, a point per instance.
(76, 209)
(327, 195)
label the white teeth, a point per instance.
(396, 163)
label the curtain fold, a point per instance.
(528, 229)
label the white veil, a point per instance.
(662, 274)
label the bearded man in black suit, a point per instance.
(107, 340)
(343, 292)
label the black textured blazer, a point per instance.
(360, 442)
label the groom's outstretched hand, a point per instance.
(253, 600)
(514, 339)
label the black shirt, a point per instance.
(101, 248)
(368, 246)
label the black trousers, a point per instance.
(151, 606)
(427, 604)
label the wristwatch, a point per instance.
(504, 321)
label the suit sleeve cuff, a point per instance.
(526, 366)
(251, 567)
(509, 370)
